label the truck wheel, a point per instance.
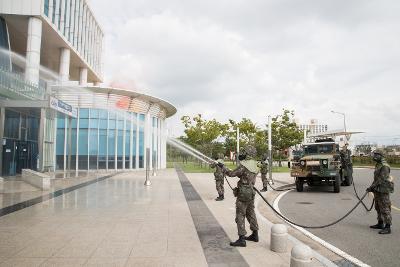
(336, 184)
(299, 185)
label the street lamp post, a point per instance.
(344, 119)
(344, 122)
(270, 149)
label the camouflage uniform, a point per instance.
(381, 188)
(219, 177)
(347, 164)
(246, 172)
(264, 170)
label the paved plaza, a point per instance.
(120, 222)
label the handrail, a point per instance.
(14, 85)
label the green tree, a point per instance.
(247, 133)
(261, 142)
(203, 134)
(285, 132)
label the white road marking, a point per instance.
(319, 240)
(325, 261)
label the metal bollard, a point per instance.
(279, 237)
(300, 256)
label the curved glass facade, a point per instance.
(105, 139)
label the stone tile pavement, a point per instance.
(120, 222)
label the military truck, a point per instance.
(319, 165)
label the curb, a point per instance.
(319, 240)
(323, 260)
(373, 167)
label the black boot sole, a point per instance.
(377, 227)
(237, 245)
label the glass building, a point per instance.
(53, 113)
(112, 130)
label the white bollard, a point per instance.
(300, 256)
(279, 237)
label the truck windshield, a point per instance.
(319, 149)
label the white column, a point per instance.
(164, 134)
(34, 41)
(137, 141)
(131, 143)
(83, 73)
(159, 143)
(64, 64)
(123, 142)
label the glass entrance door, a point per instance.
(9, 166)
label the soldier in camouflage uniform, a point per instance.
(263, 164)
(219, 176)
(382, 187)
(347, 164)
(247, 172)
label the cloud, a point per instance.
(234, 59)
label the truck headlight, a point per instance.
(303, 163)
(325, 162)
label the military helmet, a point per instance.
(379, 151)
(249, 151)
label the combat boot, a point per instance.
(265, 189)
(385, 230)
(253, 237)
(219, 198)
(379, 225)
(241, 242)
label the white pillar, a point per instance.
(163, 144)
(83, 72)
(34, 41)
(147, 139)
(64, 64)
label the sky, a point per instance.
(235, 58)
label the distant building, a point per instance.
(313, 128)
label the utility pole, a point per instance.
(237, 145)
(270, 149)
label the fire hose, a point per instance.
(300, 225)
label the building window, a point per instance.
(83, 139)
(141, 140)
(11, 124)
(46, 7)
(53, 19)
(128, 152)
(60, 141)
(111, 140)
(134, 137)
(103, 125)
(120, 142)
(93, 138)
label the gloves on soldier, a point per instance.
(220, 164)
